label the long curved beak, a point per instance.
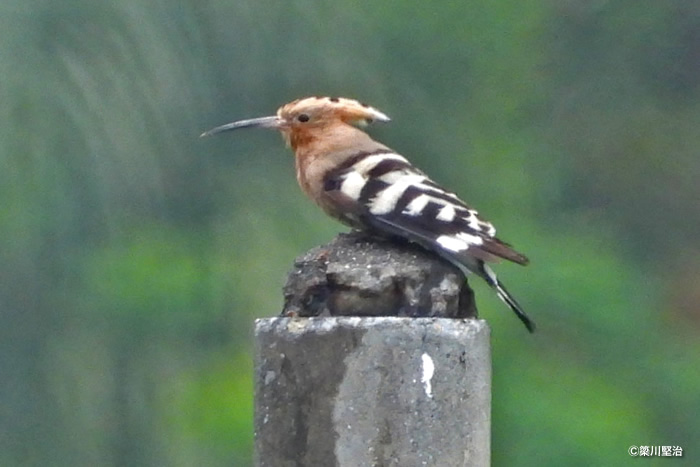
(261, 122)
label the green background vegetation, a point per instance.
(135, 256)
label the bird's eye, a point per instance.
(303, 118)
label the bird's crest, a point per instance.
(303, 120)
(324, 110)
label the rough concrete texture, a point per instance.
(351, 392)
(360, 275)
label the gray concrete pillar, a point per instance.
(372, 391)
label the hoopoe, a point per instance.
(365, 185)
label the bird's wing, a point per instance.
(385, 192)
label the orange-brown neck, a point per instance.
(329, 138)
(300, 138)
(321, 149)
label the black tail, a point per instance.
(503, 294)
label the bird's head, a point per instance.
(304, 118)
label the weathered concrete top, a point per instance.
(357, 274)
(370, 365)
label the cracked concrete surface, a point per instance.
(360, 275)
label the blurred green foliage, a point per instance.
(135, 256)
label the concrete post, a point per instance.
(372, 391)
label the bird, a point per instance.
(367, 186)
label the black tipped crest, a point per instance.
(325, 108)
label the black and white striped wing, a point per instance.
(385, 192)
(381, 190)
